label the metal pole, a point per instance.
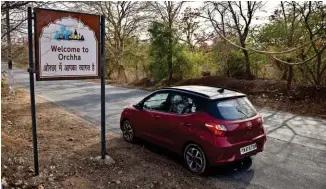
(103, 141)
(36, 54)
(31, 81)
(10, 75)
(8, 37)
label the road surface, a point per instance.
(295, 154)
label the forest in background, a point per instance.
(171, 41)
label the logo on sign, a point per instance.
(66, 34)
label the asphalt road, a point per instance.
(295, 154)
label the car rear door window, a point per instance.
(232, 109)
(181, 104)
(157, 102)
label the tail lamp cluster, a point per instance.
(220, 130)
(260, 120)
(216, 129)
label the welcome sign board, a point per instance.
(67, 45)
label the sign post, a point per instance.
(103, 143)
(68, 45)
(31, 85)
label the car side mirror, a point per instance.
(138, 106)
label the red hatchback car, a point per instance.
(207, 125)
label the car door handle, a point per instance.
(187, 124)
(156, 116)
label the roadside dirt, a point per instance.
(301, 99)
(68, 146)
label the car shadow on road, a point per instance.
(231, 175)
(238, 173)
(158, 150)
(238, 170)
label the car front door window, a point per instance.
(158, 102)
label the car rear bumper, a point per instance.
(231, 152)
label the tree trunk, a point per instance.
(228, 69)
(248, 71)
(122, 78)
(290, 78)
(108, 72)
(8, 36)
(136, 75)
(10, 71)
(319, 73)
(169, 56)
(145, 70)
(285, 72)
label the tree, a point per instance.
(168, 13)
(216, 13)
(11, 25)
(239, 22)
(314, 19)
(289, 28)
(7, 9)
(136, 56)
(17, 15)
(246, 16)
(125, 19)
(159, 47)
(189, 25)
(13, 21)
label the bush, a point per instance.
(194, 64)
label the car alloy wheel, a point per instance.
(195, 159)
(127, 131)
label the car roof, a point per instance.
(210, 93)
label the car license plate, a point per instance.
(247, 149)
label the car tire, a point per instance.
(195, 159)
(128, 131)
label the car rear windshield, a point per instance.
(232, 109)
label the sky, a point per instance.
(269, 8)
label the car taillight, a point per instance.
(260, 120)
(216, 129)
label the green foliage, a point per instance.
(186, 64)
(158, 50)
(194, 63)
(296, 28)
(136, 55)
(236, 64)
(258, 61)
(192, 51)
(228, 60)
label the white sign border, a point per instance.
(62, 77)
